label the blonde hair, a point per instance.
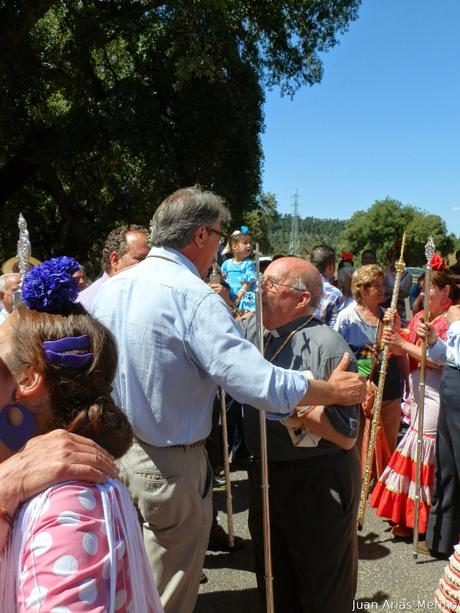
(363, 278)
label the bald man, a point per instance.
(314, 489)
(8, 284)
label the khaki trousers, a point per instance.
(171, 488)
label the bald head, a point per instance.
(300, 274)
(295, 291)
(8, 284)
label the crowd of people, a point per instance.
(105, 482)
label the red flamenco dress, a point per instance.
(394, 494)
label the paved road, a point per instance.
(389, 579)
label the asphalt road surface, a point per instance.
(389, 578)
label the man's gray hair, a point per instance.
(182, 213)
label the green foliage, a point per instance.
(107, 107)
(381, 227)
(260, 219)
(312, 231)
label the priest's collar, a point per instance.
(283, 331)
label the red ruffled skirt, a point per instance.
(394, 494)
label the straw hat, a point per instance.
(12, 265)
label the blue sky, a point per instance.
(384, 121)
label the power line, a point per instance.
(294, 243)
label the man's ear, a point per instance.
(200, 236)
(30, 384)
(114, 259)
(304, 299)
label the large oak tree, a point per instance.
(109, 105)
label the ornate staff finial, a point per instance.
(24, 248)
(429, 249)
(23, 255)
(400, 265)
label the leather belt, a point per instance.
(189, 446)
(200, 443)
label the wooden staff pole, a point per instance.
(378, 399)
(228, 482)
(429, 252)
(270, 606)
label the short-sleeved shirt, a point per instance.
(237, 273)
(361, 337)
(316, 348)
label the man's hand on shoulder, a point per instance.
(343, 388)
(49, 459)
(350, 387)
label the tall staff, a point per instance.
(263, 451)
(429, 252)
(228, 482)
(379, 397)
(23, 255)
(214, 277)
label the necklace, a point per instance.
(287, 339)
(367, 316)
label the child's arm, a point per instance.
(244, 288)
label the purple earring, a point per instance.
(15, 437)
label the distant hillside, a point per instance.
(312, 231)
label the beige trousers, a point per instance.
(171, 488)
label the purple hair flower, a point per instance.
(50, 287)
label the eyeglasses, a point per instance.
(270, 284)
(219, 234)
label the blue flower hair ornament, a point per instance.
(244, 230)
(50, 286)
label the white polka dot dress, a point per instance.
(67, 564)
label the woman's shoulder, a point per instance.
(347, 314)
(68, 529)
(72, 502)
(441, 327)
